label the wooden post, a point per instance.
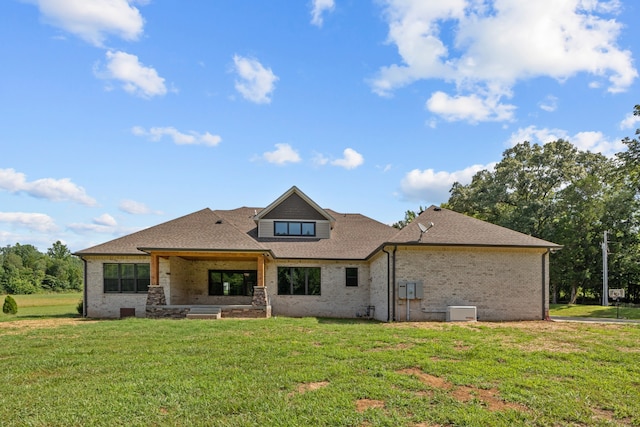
(155, 270)
(261, 270)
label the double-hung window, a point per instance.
(126, 278)
(351, 278)
(298, 280)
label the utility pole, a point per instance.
(605, 271)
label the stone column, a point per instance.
(155, 296)
(260, 297)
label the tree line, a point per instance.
(25, 270)
(559, 193)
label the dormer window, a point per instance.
(294, 215)
(294, 228)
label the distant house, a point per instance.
(294, 258)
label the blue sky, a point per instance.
(118, 115)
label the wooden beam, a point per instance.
(207, 255)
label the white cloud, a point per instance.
(136, 208)
(595, 142)
(485, 46)
(536, 136)
(255, 83)
(549, 104)
(630, 121)
(105, 223)
(471, 108)
(136, 78)
(318, 8)
(179, 138)
(57, 190)
(320, 160)
(93, 20)
(33, 221)
(351, 159)
(433, 187)
(106, 220)
(282, 155)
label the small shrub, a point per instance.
(80, 307)
(10, 306)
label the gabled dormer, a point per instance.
(294, 215)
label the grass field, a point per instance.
(316, 372)
(610, 312)
(44, 306)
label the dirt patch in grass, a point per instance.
(460, 346)
(489, 397)
(305, 387)
(534, 325)
(364, 404)
(21, 325)
(399, 346)
(430, 380)
(544, 344)
(604, 414)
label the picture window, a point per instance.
(126, 278)
(294, 228)
(299, 281)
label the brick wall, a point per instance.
(336, 299)
(504, 284)
(108, 305)
(379, 295)
(190, 281)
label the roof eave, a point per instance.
(85, 254)
(468, 245)
(148, 250)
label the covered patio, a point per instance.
(207, 284)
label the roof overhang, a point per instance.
(551, 248)
(206, 253)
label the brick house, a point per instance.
(294, 258)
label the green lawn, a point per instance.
(44, 306)
(611, 312)
(317, 372)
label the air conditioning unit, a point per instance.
(461, 313)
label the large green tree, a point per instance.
(625, 240)
(559, 193)
(25, 270)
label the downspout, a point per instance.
(393, 283)
(388, 290)
(84, 292)
(545, 313)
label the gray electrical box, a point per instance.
(410, 290)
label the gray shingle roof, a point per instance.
(455, 229)
(354, 236)
(201, 230)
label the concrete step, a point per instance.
(204, 316)
(204, 313)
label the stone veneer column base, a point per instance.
(157, 307)
(260, 302)
(260, 297)
(155, 296)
